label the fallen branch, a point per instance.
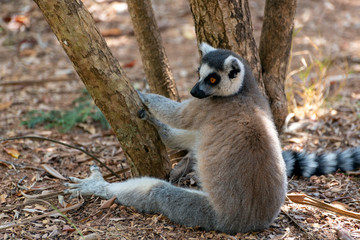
(20, 165)
(305, 199)
(62, 143)
(29, 199)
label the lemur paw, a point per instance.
(143, 114)
(87, 186)
(141, 96)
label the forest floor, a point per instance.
(35, 74)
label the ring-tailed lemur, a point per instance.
(228, 128)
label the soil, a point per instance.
(35, 74)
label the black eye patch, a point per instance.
(235, 69)
(212, 79)
(233, 73)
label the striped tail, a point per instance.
(308, 164)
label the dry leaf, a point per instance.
(336, 189)
(305, 199)
(343, 234)
(108, 203)
(3, 198)
(294, 140)
(53, 172)
(22, 19)
(117, 219)
(3, 215)
(12, 152)
(28, 52)
(61, 201)
(87, 127)
(112, 32)
(40, 207)
(91, 236)
(32, 210)
(339, 205)
(129, 64)
(68, 228)
(5, 105)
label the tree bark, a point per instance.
(156, 65)
(108, 85)
(275, 46)
(227, 24)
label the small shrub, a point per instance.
(83, 111)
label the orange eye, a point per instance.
(212, 80)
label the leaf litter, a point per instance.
(36, 75)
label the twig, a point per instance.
(13, 224)
(298, 225)
(300, 134)
(29, 199)
(62, 143)
(339, 198)
(41, 196)
(18, 165)
(122, 171)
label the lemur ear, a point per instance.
(206, 48)
(233, 67)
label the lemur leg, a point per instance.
(164, 109)
(151, 195)
(172, 137)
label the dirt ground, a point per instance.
(35, 74)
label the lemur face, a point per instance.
(221, 73)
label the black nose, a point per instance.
(197, 92)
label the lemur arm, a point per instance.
(151, 195)
(172, 137)
(164, 109)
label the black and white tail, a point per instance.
(308, 164)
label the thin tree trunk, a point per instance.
(275, 45)
(108, 85)
(152, 52)
(227, 24)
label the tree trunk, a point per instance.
(152, 52)
(227, 24)
(107, 84)
(275, 45)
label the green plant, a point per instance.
(83, 111)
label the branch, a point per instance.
(108, 85)
(154, 59)
(274, 50)
(64, 144)
(227, 24)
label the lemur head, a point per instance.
(221, 73)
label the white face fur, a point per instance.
(215, 82)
